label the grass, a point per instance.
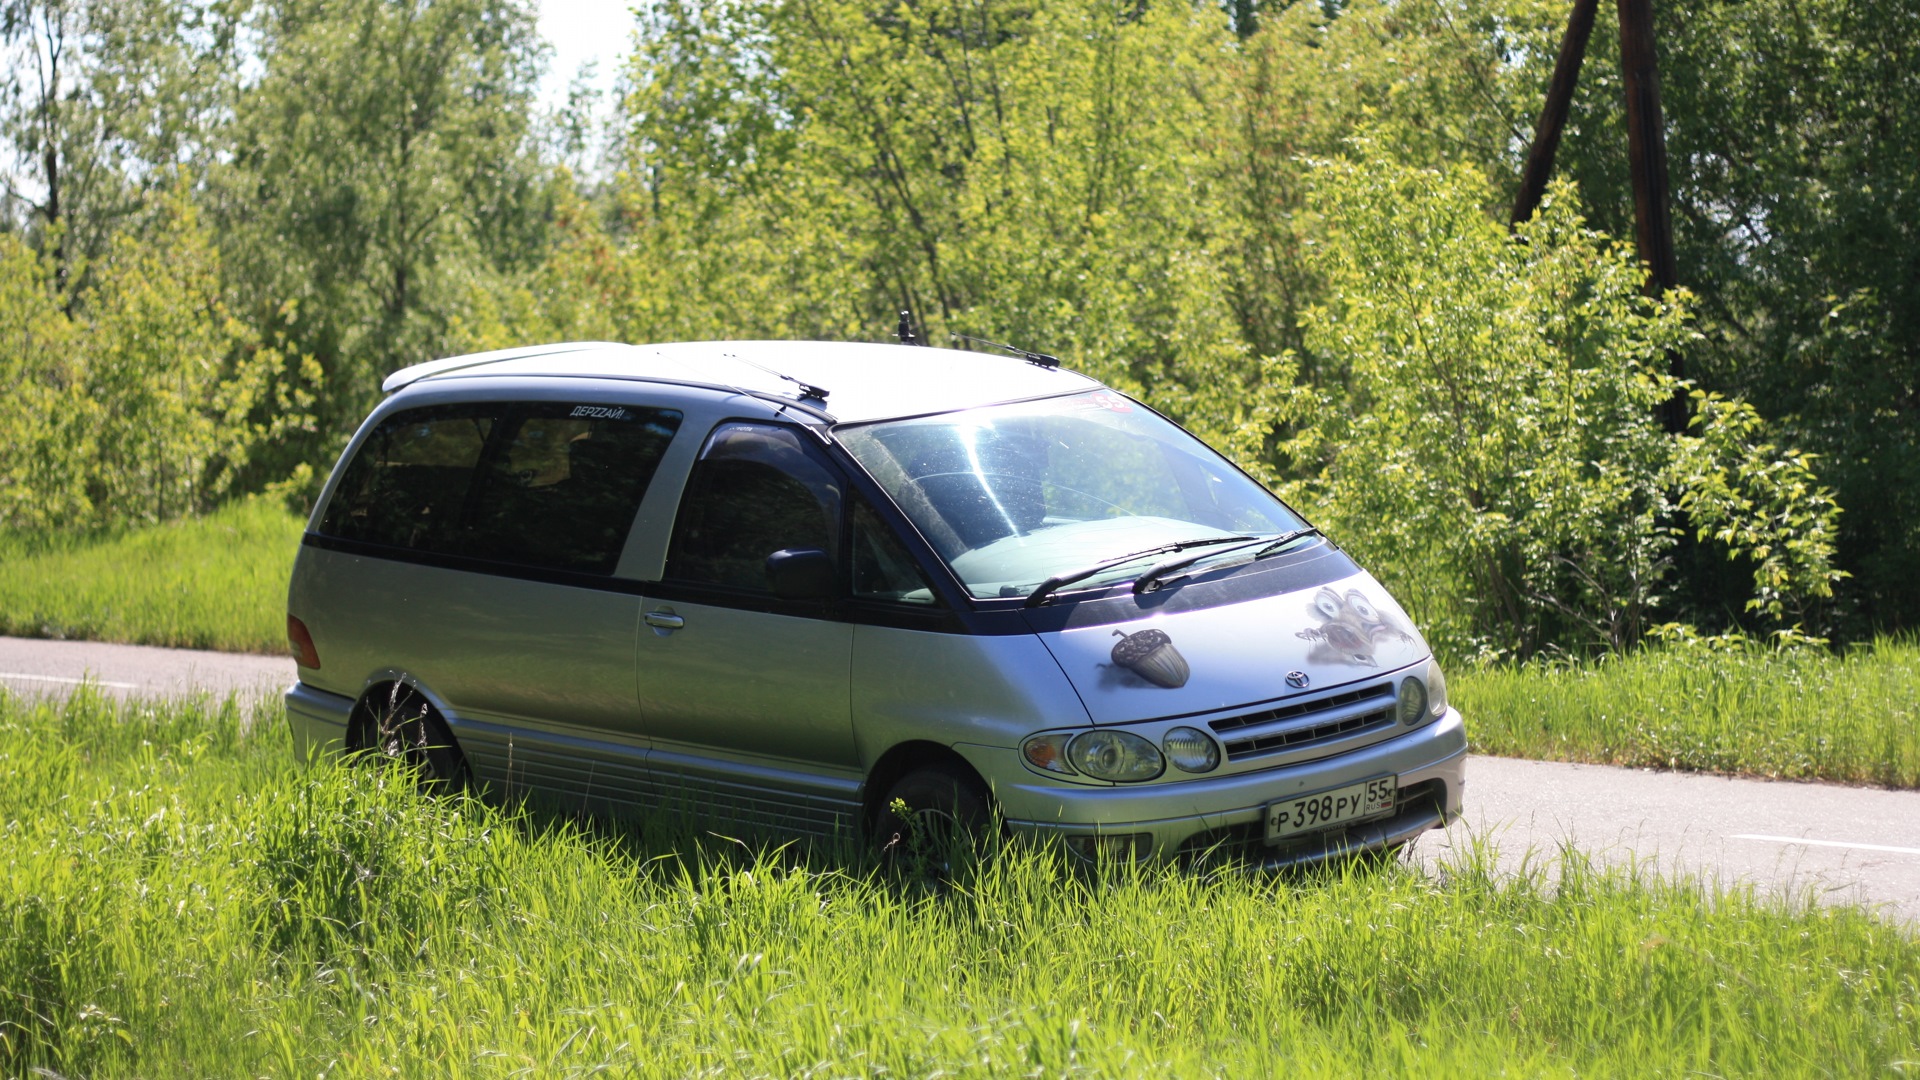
(217, 582)
(1798, 714)
(180, 898)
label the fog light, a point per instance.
(1191, 750)
(1413, 701)
(1131, 847)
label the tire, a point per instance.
(403, 728)
(947, 813)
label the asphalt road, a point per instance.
(1794, 840)
(33, 667)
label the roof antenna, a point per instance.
(1037, 359)
(905, 333)
(807, 390)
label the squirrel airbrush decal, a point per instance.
(1351, 629)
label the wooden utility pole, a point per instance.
(1553, 116)
(1647, 160)
(1646, 151)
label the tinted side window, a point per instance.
(756, 489)
(552, 485)
(561, 483)
(408, 486)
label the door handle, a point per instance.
(665, 620)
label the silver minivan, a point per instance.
(804, 588)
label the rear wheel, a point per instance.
(933, 817)
(402, 727)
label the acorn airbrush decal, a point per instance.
(1150, 654)
(1351, 629)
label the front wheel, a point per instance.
(933, 817)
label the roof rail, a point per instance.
(409, 375)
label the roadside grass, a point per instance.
(1800, 714)
(217, 582)
(180, 898)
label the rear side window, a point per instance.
(561, 487)
(550, 485)
(407, 487)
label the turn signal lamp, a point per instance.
(1048, 752)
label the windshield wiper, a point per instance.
(1150, 580)
(1283, 540)
(1047, 587)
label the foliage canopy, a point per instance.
(1135, 187)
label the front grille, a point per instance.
(1291, 727)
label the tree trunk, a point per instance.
(1553, 115)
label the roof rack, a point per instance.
(406, 376)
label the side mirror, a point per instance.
(801, 574)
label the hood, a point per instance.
(1237, 654)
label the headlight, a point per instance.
(1413, 701)
(1436, 690)
(1191, 750)
(1115, 755)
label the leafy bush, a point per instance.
(133, 403)
(1499, 457)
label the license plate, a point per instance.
(1311, 813)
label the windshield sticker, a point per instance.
(601, 412)
(1350, 629)
(1110, 402)
(1150, 654)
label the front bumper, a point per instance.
(1226, 815)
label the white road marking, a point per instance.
(69, 682)
(1828, 843)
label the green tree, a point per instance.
(1043, 174)
(1498, 457)
(1794, 151)
(1441, 82)
(138, 409)
(40, 394)
(381, 167)
(101, 102)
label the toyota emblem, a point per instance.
(1297, 679)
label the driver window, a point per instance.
(757, 488)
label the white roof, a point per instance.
(862, 381)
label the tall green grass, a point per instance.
(217, 582)
(180, 899)
(1794, 713)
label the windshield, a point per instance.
(1011, 495)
